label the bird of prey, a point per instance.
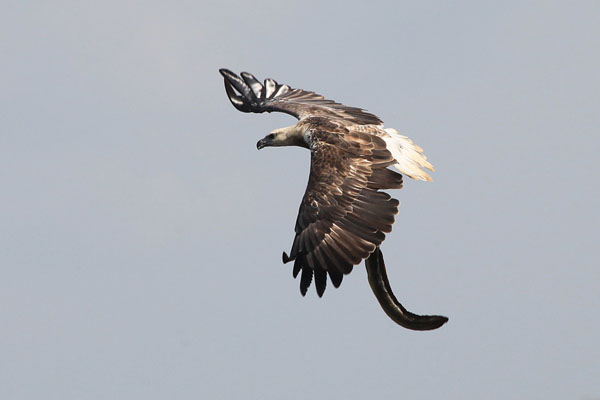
(344, 214)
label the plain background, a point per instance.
(141, 232)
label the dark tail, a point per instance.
(381, 287)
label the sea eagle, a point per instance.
(344, 215)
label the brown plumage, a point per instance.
(344, 214)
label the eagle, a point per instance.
(345, 213)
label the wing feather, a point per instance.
(343, 215)
(252, 96)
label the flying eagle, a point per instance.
(344, 215)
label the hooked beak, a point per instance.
(266, 141)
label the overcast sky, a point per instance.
(141, 231)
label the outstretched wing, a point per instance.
(343, 216)
(252, 96)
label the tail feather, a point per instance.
(410, 158)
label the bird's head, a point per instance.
(288, 136)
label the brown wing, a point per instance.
(252, 96)
(343, 216)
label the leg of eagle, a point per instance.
(381, 287)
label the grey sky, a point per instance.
(141, 232)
